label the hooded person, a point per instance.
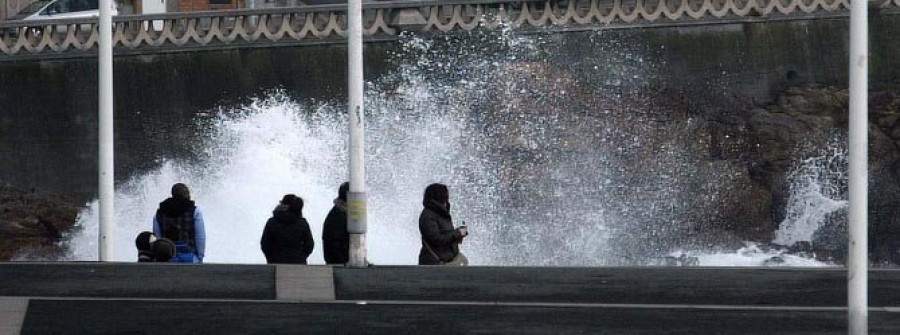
(335, 238)
(179, 220)
(286, 201)
(152, 249)
(163, 250)
(286, 239)
(440, 241)
(144, 243)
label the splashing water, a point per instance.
(253, 156)
(752, 254)
(257, 158)
(818, 191)
(552, 158)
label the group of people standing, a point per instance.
(179, 232)
(287, 238)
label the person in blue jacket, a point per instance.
(178, 219)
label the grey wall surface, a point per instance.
(48, 109)
(48, 117)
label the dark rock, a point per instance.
(888, 121)
(804, 118)
(894, 132)
(734, 165)
(34, 222)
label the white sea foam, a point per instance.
(539, 181)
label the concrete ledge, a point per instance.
(304, 283)
(137, 280)
(137, 298)
(660, 285)
(12, 315)
(249, 317)
(663, 285)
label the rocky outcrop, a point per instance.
(660, 170)
(802, 123)
(34, 223)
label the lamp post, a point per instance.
(105, 164)
(356, 199)
(858, 260)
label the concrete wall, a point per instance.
(48, 121)
(48, 109)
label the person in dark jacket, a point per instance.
(287, 238)
(163, 250)
(144, 243)
(152, 249)
(440, 241)
(335, 238)
(179, 220)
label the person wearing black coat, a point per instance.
(144, 244)
(440, 241)
(152, 249)
(287, 238)
(335, 238)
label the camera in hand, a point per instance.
(463, 229)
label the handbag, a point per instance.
(458, 260)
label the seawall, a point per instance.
(48, 109)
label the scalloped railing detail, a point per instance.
(318, 24)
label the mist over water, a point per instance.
(552, 159)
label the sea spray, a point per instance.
(818, 191)
(553, 158)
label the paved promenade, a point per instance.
(62, 298)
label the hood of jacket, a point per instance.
(284, 217)
(280, 208)
(437, 208)
(340, 204)
(176, 206)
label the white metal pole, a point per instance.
(858, 261)
(105, 135)
(356, 199)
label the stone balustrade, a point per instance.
(172, 32)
